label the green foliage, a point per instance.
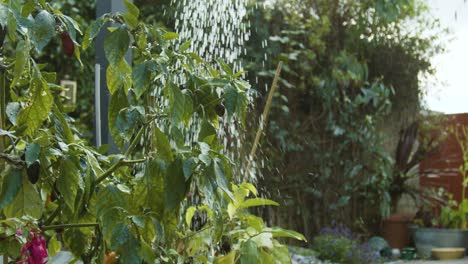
(332, 248)
(169, 196)
(339, 248)
(346, 90)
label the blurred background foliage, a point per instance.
(84, 13)
(350, 84)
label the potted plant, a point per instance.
(449, 228)
(415, 143)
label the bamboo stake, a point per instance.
(263, 121)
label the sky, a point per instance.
(450, 93)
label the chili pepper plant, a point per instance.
(170, 195)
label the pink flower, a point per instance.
(19, 232)
(35, 250)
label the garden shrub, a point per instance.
(169, 195)
(351, 82)
(338, 245)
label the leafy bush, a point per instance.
(169, 195)
(338, 245)
(349, 85)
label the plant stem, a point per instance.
(135, 141)
(2, 107)
(13, 160)
(109, 171)
(129, 162)
(65, 226)
(263, 121)
(122, 161)
(119, 163)
(53, 215)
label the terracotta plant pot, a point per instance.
(395, 230)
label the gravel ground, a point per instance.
(298, 259)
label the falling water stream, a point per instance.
(218, 29)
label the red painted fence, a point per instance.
(440, 169)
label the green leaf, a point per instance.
(239, 74)
(132, 8)
(233, 100)
(227, 259)
(175, 185)
(189, 166)
(22, 57)
(74, 240)
(77, 54)
(4, 11)
(151, 187)
(205, 153)
(130, 20)
(109, 197)
(93, 30)
(119, 75)
(12, 110)
(11, 185)
(11, 26)
(62, 128)
(69, 182)
(225, 67)
(176, 103)
(43, 30)
(54, 246)
(263, 240)
(188, 108)
(138, 220)
(253, 221)
(249, 187)
(111, 217)
(128, 119)
(170, 35)
(72, 24)
(116, 45)
(231, 210)
(279, 232)
(147, 253)
(257, 202)
(142, 77)
(221, 180)
(185, 46)
(39, 107)
(189, 215)
(32, 153)
(207, 132)
(27, 202)
(267, 258)
(118, 101)
(249, 252)
(120, 235)
(281, 253)
(129, 252)
(163, 146)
